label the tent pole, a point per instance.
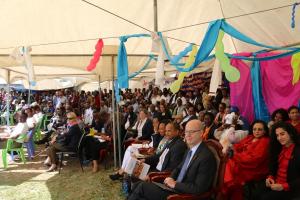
(8, 99)
(119, 135)
(99, 88)
(155, 15)
(113, 113)
(29, 88)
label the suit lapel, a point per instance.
(195, 156)
(166, 160)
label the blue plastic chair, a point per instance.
(29, 144)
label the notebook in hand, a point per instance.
(137, 168)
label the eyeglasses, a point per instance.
(258, 129)
(191, 131)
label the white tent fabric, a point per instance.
(49, 26)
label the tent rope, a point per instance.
(118, 16)
(232, 17)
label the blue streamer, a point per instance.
(240, 36)
(293, 14)
(260, 107)
(151, 57)
(122, 72)
(174, 61)
(265, 58)
(116, 84)
(210, 39)
(117, 91)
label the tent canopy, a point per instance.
(63, 33)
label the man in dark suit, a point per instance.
(153, 113)
(130, 118)
(190, 116)
(173, 152)
(194, 175)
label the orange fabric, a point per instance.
(205, 133)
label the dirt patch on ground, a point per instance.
(30, 181)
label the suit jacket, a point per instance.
(166, 116)
(71, 138)
(132, 118)
(156, 138)
(154, 114)
(173, 158)
(147, 130)
(293, 172)
(200, 173)
(186, 121)
(211, 132)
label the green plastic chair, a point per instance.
(38, 132)
(3, 119)
(46, 121)
(11, 119)
(9, 147)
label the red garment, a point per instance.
(249, 162)
(297, 126)
(283, 160)
(97, 101)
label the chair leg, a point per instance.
(105, 161)
(60, 161)
(80, 161)
(22, 156)
(4, 158)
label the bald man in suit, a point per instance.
(194, 175)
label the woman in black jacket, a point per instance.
(284, 179)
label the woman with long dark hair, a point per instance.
(284, 179)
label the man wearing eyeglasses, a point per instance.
(194, 175)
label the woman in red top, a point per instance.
(249, 161)
(294, 117)
(284, 179)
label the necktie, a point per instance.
(184, 166)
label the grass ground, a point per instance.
(30, 182)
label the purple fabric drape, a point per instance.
(241, 91)
(277, 76)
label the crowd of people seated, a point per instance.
(174, 128)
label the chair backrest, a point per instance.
(40, 122)
(20, 139)
(83, 134)
(216, 149)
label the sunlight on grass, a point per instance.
(30, 182)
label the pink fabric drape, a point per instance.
(241, 91)
(97, 55)
(277, 76)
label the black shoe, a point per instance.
(38, 142)
(115, 176)
(42, 141)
